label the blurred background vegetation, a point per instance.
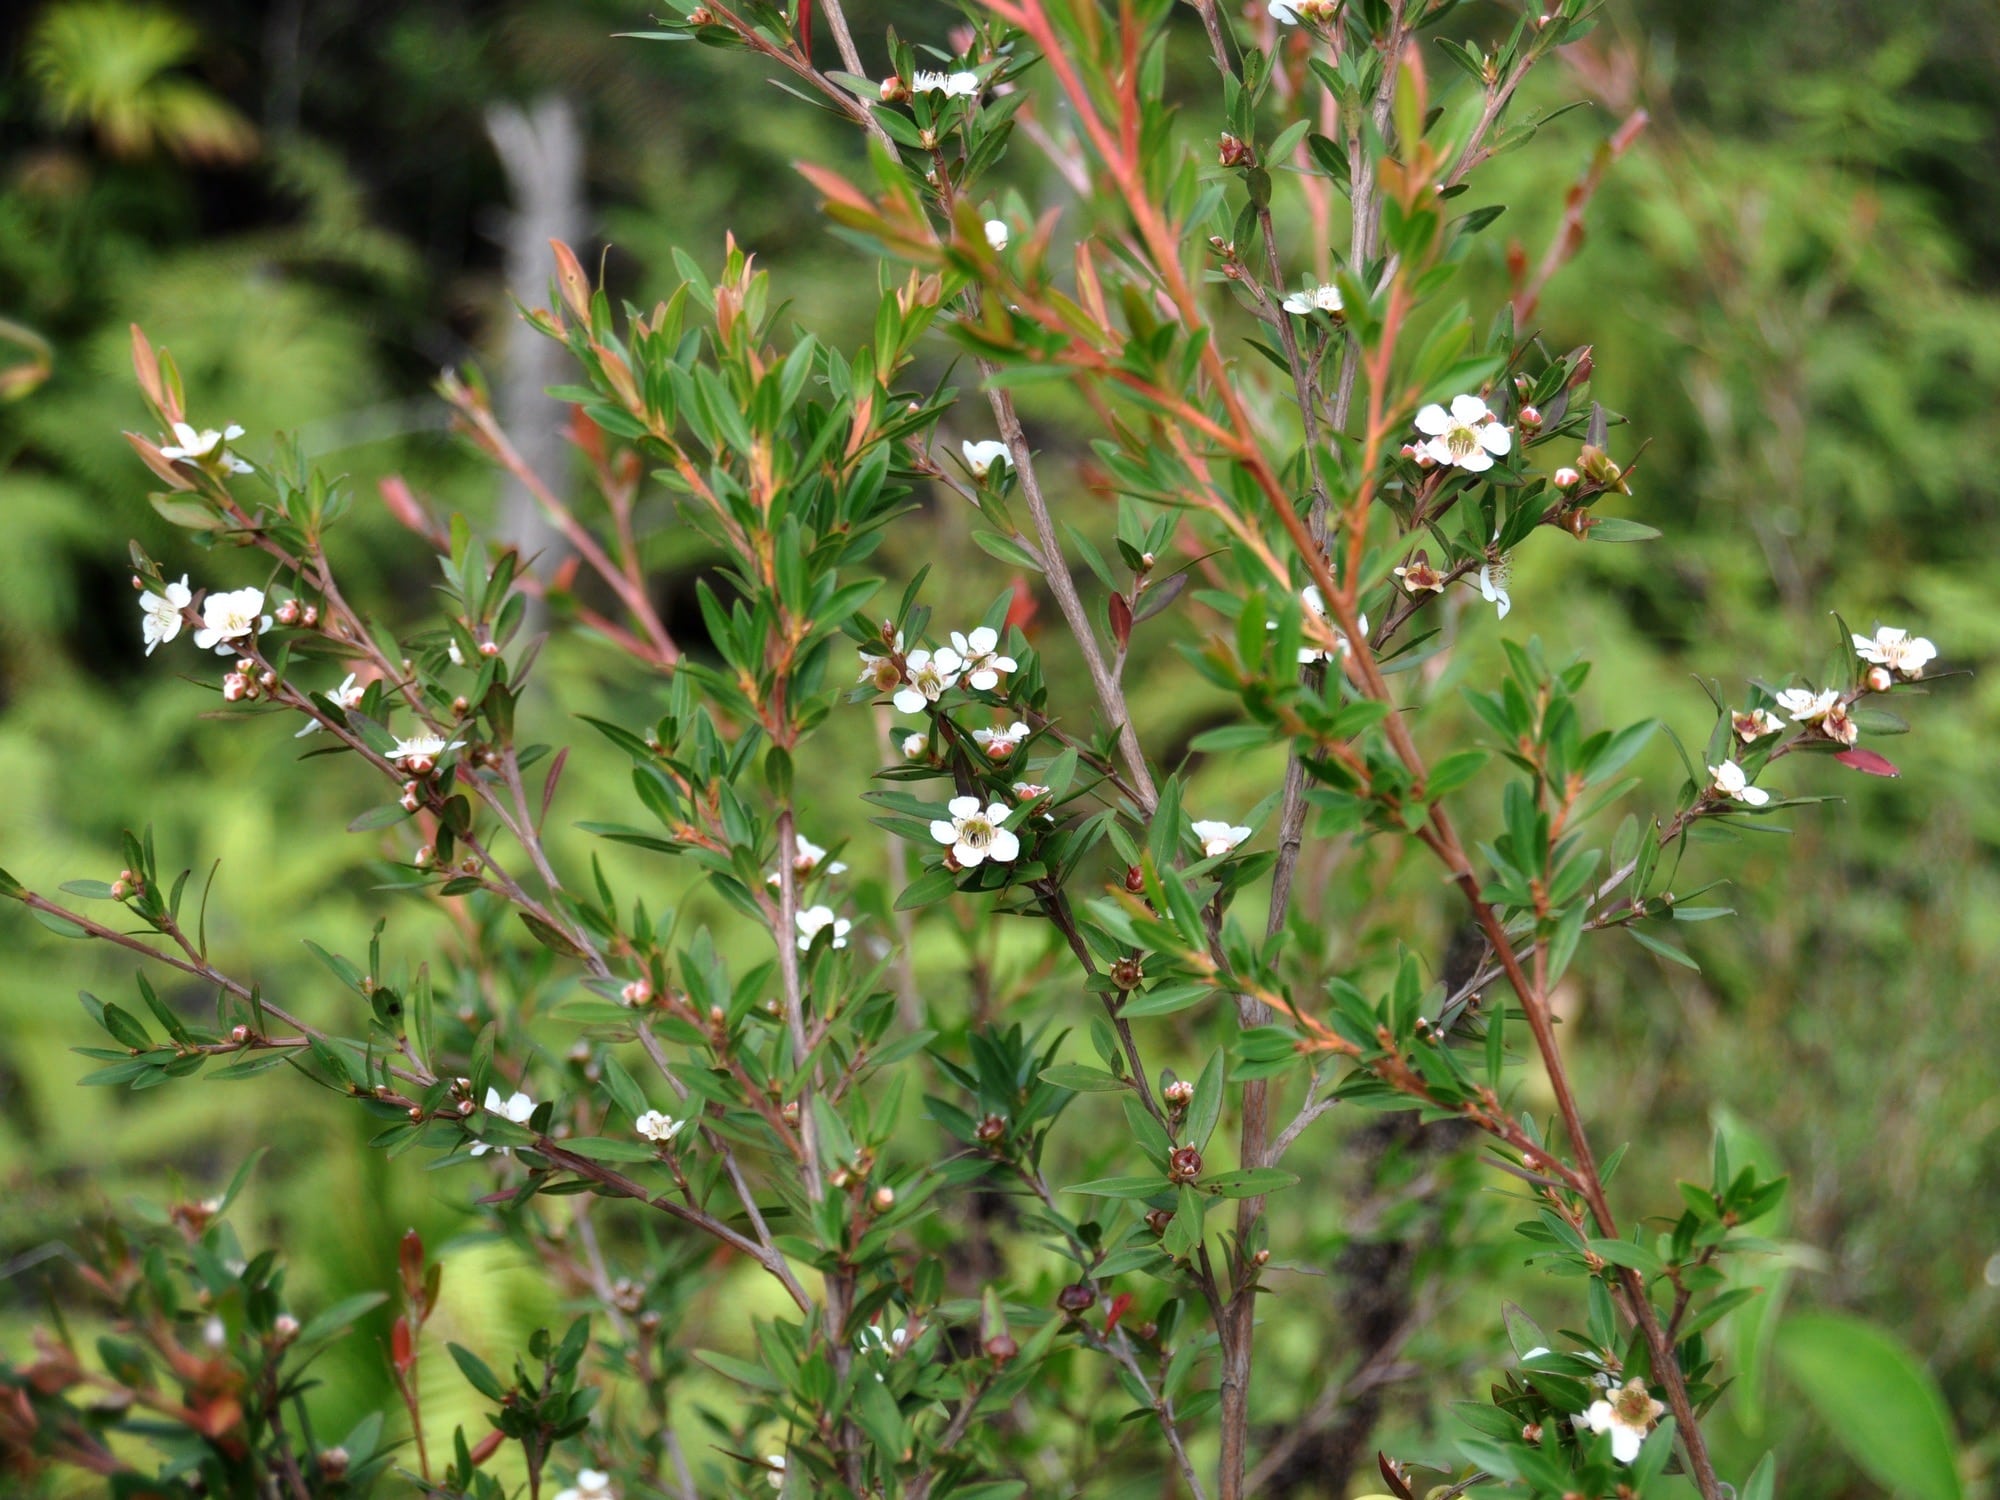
(1793, 285)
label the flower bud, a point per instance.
(1158, 1219)
(120, 890)
(285, 1328)
(1135, 880)
(311, 616)
(489, 648)
(459, 707)
(239, 1034)
(423, 857)
(638, 992)
(1001, 1348)
(288, 612)
(1075, 1298)
(1184, 1165)
(885, 1199)
(1179, 1092)
(1565, 478)
(991, 1129)
(1231, 152)
(235, 688)
(1880, 680)
(416, 1114)
(1528, 419)
(1126, 973)
(892, 91)
(333, 1463)
(410, 801)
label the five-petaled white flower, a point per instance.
(658, 1128)
(980, 457)
(1805, 706)
(1316, 603)
(206, 447)
(516, 1108)
(1897, 650)
(230, 617)
(816, 919)
(996, 233)
(1001, 742)
(976, 836)
(347, 695)
(160, 614)
(1322, 298)
(1219, 838)
(1628, 1414)
(806, 857)
(1467, 435)
(1731, 782)
(980, 659)
(423, 747)
(1756, 724)
(591, 1484)
(960, 85)
(927, 676)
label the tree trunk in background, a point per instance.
(541, 150)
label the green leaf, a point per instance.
(1876, 1400)
(1084, 1080)
(341, 1316)
(1248, 1182)
(475, 1370)
(1618, 529)
(1123, 1187)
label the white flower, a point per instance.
(591, 1484)
(347, 695)
(980, 658)
(160, 614)
(1001, 743)
(1805, 706)
(890, 1341)
(927, 675)
(230, 617)
(1467, 435)
(206, 444)
(1628, 1416)
(775, 1462)
(1316, 603)
(1756, 724)
(1493, 586)
(451, 649)
(976, 836)
(952, 85)
(996, 233)
(1219, 838)
(423, 747)
(806, 857)
(1323, 298)
(914, 744)
(816, 919)
(982, 456)
(658, 1128)
(1731, 782)
(515, 1108)
(1897, 650)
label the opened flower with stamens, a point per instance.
(160, 617)
(980, 658)
(1322, 298)
(230, 617)
(1898, 650)
(1418, 575)
(516, 1108)
(982, 456)
(1731, 782)
(817, 919)
(976, 835)
(927, 676)
(346, 696)
(658, 1128)
(205, 447)
(999, 743)
(419, 754)
(1805, 706)
(1467, 435)
(1218, 838)
(960, 85)
(1628, 1414)
(1756, 724)
(1493, 585)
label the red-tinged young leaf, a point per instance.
(1868, 762)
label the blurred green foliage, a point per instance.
(1793, 286)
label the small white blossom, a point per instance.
(774, 1464)
(996, 233)
(206, 445)
(346, 696)
(1296, 12)
(1805, 706)
(891, 1341)
(1897, 650)
(658, 1128)
(423, 747)
(230, 617)
(806, 857)
(980, 457)
(516, 1108)
(1316, 604)
(1323, 298)
(591, 1484)
(961, 85)
(1219, 838)
(1493, 586)
(816, 919)
(160, 617)
(1001, 743)
(1731, 782)
(1467, 435)
(980, 658)
(1756, 724)
(1628, 1415)
(914, 745)
(976, 836)
(927, 677)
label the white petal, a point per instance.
(963, 807)
(1468, 409)
(1005, 845)
(1626, 1443)
(1432, 420)
(944, 832)
(1496, 439)
(1756, 796)
(967, 854)
(909, 701)
(1478, 461)
(985, 680)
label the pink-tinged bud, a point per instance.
(1565, 478)
(126, 875)
(790, 1113)
(1179, 1092)
(333, 1463)
(701, 15)
(1135, 880)
(885, 1199)
(416, 1114)
(239, 1034)
(839, 1178)
(419, 765)
(1001, 1348)
(268, 681)
(288, 613)
(285, 1328)
(638, 992)
(489, 648)
(1231, 152)
(138, 582)
(1184, 1165)
(1261, 1258)
(1532, 1433)
(1126, 973)
(245, 665)
(423, 857)
(1528, 419)
(1158, 1219)
(120, 890)
(1880, 680)
(410, 802)
(311, 616)
(460, 707)
(235, 688)
(991, 1129)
